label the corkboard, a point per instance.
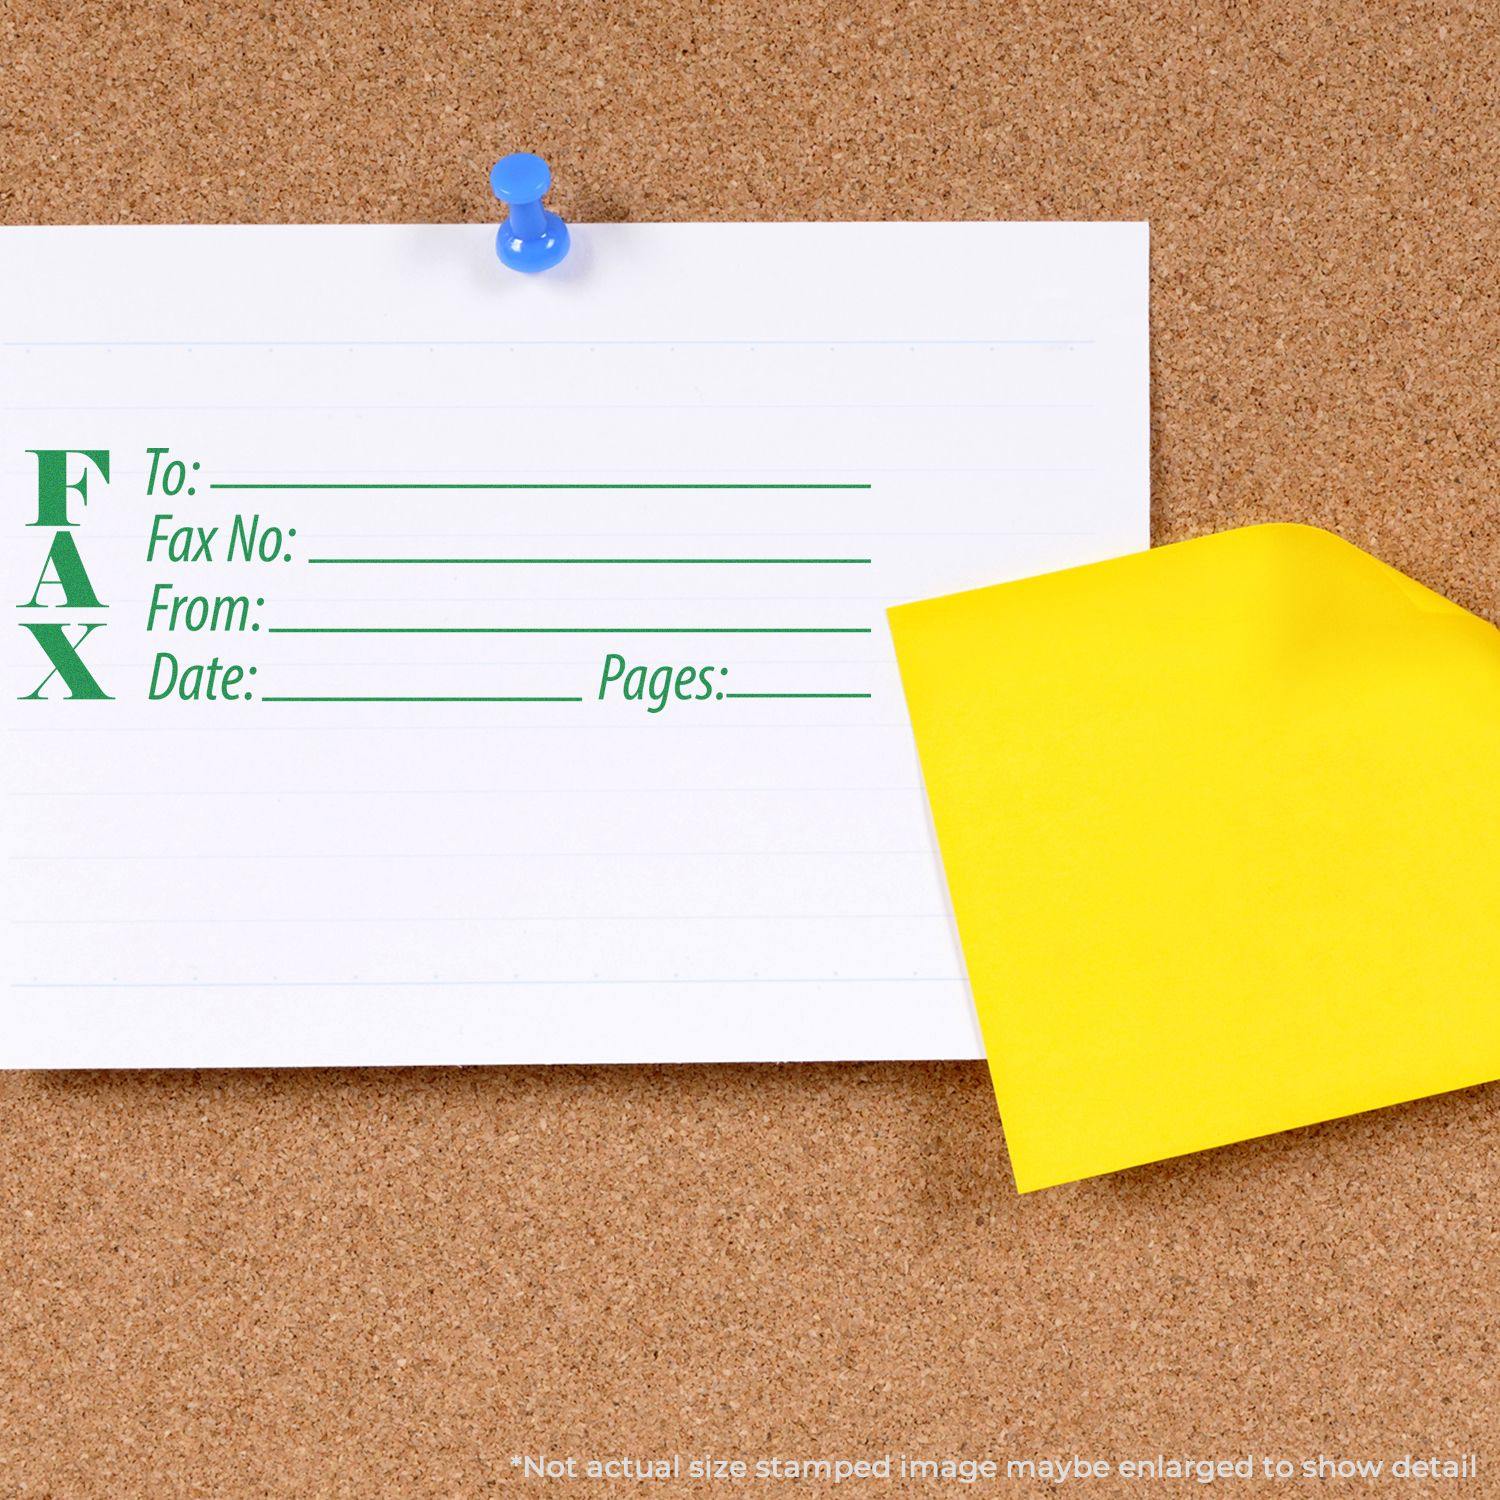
(387, 1283)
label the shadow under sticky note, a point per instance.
(1220, 827)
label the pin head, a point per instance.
(520, 178)
(532, 238)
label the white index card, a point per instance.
(415, 662)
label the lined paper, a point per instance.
(440, 665)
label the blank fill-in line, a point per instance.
(552, 562)
(339, 698)
(797, 695)
(568, 630)
(299, 484)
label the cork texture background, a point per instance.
(390, 1282)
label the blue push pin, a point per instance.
(532, 238)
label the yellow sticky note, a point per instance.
(1221, 827)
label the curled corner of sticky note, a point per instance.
(1219, 823)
